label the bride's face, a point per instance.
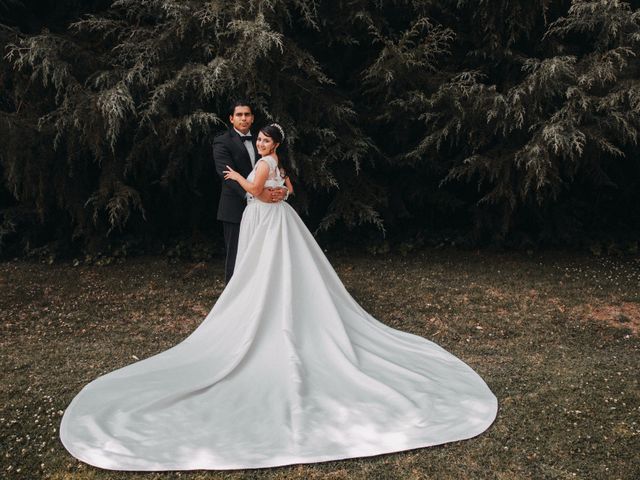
(265, 145)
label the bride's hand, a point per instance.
(231, 174)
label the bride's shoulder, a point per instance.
(270, 160)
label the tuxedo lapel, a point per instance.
(242, 151)
(255, 149)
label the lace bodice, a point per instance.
(274, 179)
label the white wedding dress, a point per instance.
(286, 368)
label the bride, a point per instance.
(286, 368)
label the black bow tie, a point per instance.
(245, 138)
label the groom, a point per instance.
(236, 148)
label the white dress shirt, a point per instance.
(249, 146)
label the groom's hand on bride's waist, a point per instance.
(272, 195)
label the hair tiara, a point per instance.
(279, 129)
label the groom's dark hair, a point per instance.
(239, 102)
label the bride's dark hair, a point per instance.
(276, 132)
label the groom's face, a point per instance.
(242, 119)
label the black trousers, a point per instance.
(231, 233)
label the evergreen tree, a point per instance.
(500, 117)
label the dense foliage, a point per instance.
(506, 121)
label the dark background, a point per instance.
(506, 123)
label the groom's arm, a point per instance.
(269, 194)
(277, 194)
(222, 157)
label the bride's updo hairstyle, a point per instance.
(274, 131)
(277, 134)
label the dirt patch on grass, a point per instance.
(625, 315)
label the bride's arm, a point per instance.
(254, 188)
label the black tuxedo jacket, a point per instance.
(228, 149)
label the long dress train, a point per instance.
(286, 368)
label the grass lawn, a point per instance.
(554, 334)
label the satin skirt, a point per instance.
(286, 368)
